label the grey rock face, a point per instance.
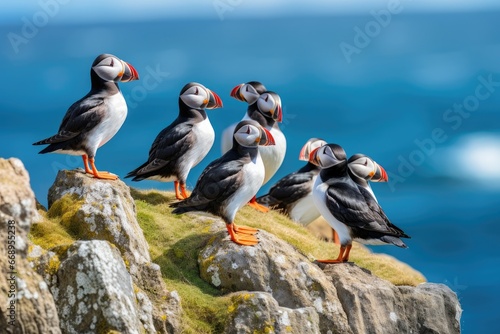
(94, 291)
(26, 305)
(377, 306)
(259, 312)
(101, 209)
(275, 267)
(346, 298)
(105, 210)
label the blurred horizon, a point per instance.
(95, 11)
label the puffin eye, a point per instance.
(112, 63)
(196, 91)
(246, 88)
(248, 130)
(366, 163)
(267, 98)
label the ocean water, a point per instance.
(421, 96)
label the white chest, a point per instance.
(203, 139)
(253, 175)
(111, 122)
(319, 196)
(273, 156)
(305, 211)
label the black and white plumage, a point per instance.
(231, 181)
(94, 119)
(265, 108)
(248, 92)
(348, 208)
(292, 195)
(184, 143)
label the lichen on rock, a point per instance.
(25, 301)
(93, 209)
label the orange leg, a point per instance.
(335, 237)
(245, 240)
(183, 190)
(101, 175)
(180, 190)
(253, 203)
(177, 192)
(244, 229)
(86, 164)
(343, 255)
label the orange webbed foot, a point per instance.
(241, 229)
(259, 207)
(343, 255)
(97, 174)
(105, 176)
(241, 239)
(330, 261)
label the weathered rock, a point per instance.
(33, 309)
(99, 209)
(259, 312)
(346, 297)
(377, 306)
(94, 291)
(276, 267)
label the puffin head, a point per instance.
(269, 104)
(310, 146)
(248, 92)
(197, 96)
(112, 68)
(366, 168)
(251, 134)
(328, 156)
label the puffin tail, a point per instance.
(393, 240)
(50, 148)
(135, 175)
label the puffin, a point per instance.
(267, 111)
(93, 120)
(184, 143)
(349, 208)
(248, 92)
(362, 169)
(292, 195)
(229, 182)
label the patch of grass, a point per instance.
(48, 232)
(174, 243)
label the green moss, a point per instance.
(49, 233)
(65, 209)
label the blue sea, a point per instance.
(420, 94)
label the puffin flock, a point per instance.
(329, 185)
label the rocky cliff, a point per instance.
(89, 266)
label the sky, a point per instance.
(92, 11)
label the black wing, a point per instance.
(289, 189)
(82, 116)
(218, 181)
(170, 144)
(355, 207)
